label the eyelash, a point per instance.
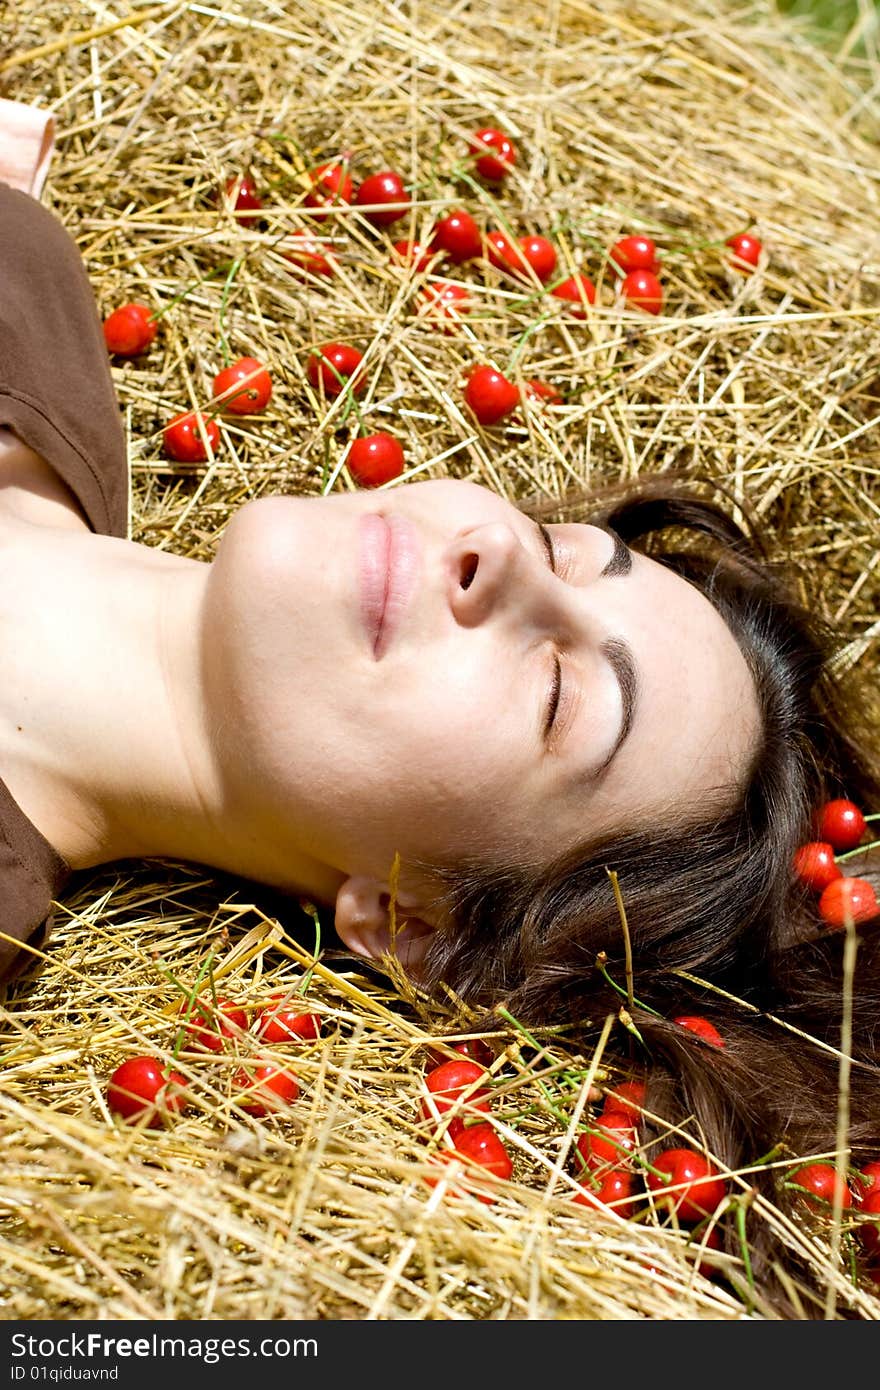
(556, 687)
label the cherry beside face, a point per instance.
(374, 459)
(490, 395)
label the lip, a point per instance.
(389, 560)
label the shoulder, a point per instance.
(31, 490)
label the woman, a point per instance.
(430, 711)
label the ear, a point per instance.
(363, 922)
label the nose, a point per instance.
(492, 574)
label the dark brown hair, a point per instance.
(717, 921)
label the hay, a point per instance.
(684, 123)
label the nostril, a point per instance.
(468, 571)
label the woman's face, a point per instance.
(407, 672)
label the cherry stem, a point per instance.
(191, 995)
(312, 912)
(600, 966)
(230, 278)
(744, 1244)
(223, 269)
(533, 1042)
(859, 849)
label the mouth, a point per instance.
(388, 566)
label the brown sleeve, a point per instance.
(56, 389)
(32, 873)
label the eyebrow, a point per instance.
(620, 658)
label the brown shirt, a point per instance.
(57, 394)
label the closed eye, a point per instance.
(556, 685)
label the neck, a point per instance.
(105, 720)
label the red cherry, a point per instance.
(635, 253)
(383, 198)
(144, 1089)
(538, 390)
(475, 1048)
(698, 1185)
(444, 302)
(413, 254)
(526, 256)
(841, 824)
(457, 236)
(815, 866)
(501, 250)
(447, 1083)
(627, 1098)
(244, 388)
(702, 1027)
(331, 188)
(609, 1143)
(374, 459)
(746, 251)
(306, 252)
(130, 329)
(279, 1025)
(476, 1146)
(335, 366)
(855, 894)
(539, 255)
(207, 1024)
(182, 437)
(490, 395)
(869, 1231)
(495, 151)
(642, 289)
(867, 1179)
(577, 290)
(241, 192)
(266, 1088)
(481, 1145)
(820, 1180)
(612, 1188)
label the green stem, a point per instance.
(622, 992)
(193, 285)
(306, 979)
(547, 1094)
(744, 1244)
(224, 345)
